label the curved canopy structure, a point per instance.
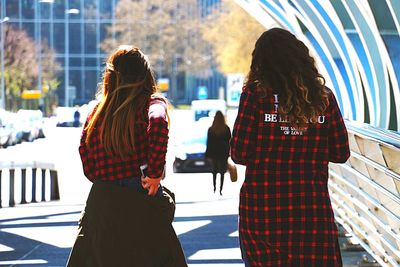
(356, 45)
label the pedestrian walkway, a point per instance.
(41, 234)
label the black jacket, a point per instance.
(121, 227)
(218, 145)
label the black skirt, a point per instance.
(122, 227)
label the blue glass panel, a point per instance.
(359, 48)
(327, 65)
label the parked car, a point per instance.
(191, 148)
(73, 116)
(30, 122)
(5, 136)
(5, 132)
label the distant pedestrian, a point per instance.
(128, 216)
(288, 128)
(218, 137)
(77, 118)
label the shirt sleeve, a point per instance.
(338, 141)
(86, 157)
(158, 137)
(244, 136)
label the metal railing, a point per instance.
(365, 191)
(30, 177)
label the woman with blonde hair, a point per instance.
(217, 151)
(123, 148)
(288, 128)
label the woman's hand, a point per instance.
(151, 184)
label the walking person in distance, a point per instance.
(288, 128)
(218, 137)
(125, 221)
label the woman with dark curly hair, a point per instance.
(288, 128)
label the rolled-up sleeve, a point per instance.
(244, 130)
(338, 141)
(158, 137)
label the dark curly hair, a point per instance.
(283, 63)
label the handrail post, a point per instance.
(34, 185)
(43, 184)
(11, 202)
(23, 186)
(55, 193)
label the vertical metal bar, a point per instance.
(33, 185)
(66, 55)
(55, 193)
(23, 186)
(11, 202)
(43, 184)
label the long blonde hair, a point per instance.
(128, 84)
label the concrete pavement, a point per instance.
(41, 234)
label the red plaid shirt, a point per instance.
(285, 213)
(150, 143)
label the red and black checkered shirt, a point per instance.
(285, 213)
(150, 143)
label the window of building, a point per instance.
(45, 31)
(90, 62)
(90, 9)
(91, 83)
(75, 61)
(59, 9)
(59, 39)
(44, 9)
(28, 9)
(75, 4)
(75, 38)
(90, 38)
(12, 9)
(29, 28)
(106, 9)
(75, 82)
(104, 33)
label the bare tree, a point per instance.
(166, 30)
(232, 33)
(20, 65)
(50, 68)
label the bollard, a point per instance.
(54, 193)
(23, 186)
(11, 202)
(33, 185)
(43, 184)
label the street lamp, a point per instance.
(3, 91)
(66, 67)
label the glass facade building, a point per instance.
(75, 29)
